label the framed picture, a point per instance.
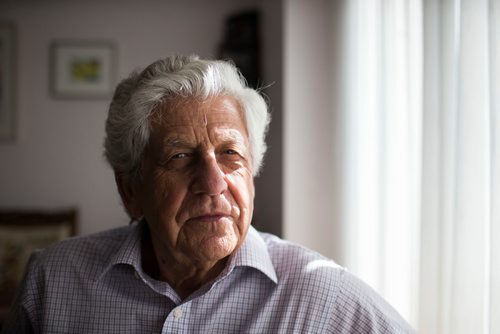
(82, 69)
(7, 81)
(21, 233)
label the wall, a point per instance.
(57, 159)
(268, 213)
(313, 125)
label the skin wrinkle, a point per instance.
(228, 135)
(197, 191)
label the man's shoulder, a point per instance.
(293, 261)
(331, 288)
(88, 250)
(96, 241)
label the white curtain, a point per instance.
(383, 136)
(422, 185)
(460, 239)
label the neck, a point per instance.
(183, 275)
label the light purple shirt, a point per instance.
(95, 284)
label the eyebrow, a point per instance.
(229, 135)
(232, 136)
(223, 137)
(176, 142)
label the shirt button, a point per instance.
(177, 313)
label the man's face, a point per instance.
(197, 190)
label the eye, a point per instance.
(232, 155)
(176, 161)
(180, 156)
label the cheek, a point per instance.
(241, 186)
(163, 197)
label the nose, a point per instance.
(209, 179)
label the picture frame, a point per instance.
(21, 233)
(82, 69)
(8, 77)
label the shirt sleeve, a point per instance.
(21, 315)
(359, 309)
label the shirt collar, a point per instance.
(129, 251)
(253, 253)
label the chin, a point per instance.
(217, 248)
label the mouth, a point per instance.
(210, 217)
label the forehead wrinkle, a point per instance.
(199, 120)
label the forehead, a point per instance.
(188, 115)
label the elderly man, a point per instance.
(185, 137)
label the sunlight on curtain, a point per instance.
(384, 143)
(423, 164)
(495, 165)
(460, 274)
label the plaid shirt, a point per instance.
(95, 284)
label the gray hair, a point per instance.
(138, 96)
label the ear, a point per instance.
(129, 195)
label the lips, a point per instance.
(210, 217)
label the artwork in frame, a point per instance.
(7, 81)
(21, 233)
(83, 69)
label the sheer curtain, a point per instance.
(460, 254)
(383, 136)
(422, 185)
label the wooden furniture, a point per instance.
(22, 232)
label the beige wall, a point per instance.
(313, 131)
(57, 160)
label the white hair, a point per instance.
(129, 118)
